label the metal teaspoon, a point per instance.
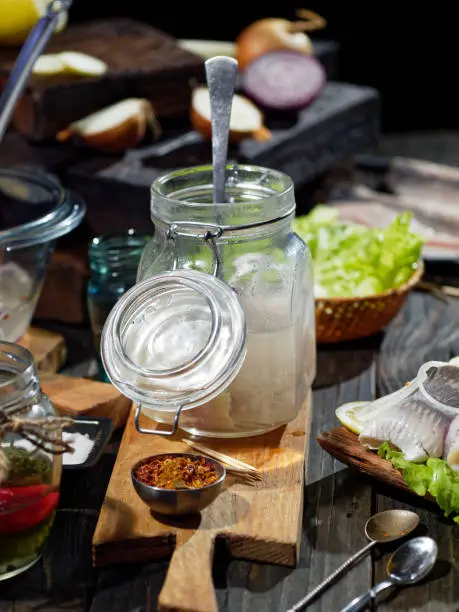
(383, 527)
(409, 564)
(221, 74)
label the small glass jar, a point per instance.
(248, 244)
(30, 477)
(113, 263)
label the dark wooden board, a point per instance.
(142, 62)
(342, 121)
(345, 446)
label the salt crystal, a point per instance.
(82, 445)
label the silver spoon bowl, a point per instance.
(381, 528)
(409, 564)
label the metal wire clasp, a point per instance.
(204, 231)
(157, 432)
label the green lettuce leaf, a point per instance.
(353, 260)
(434, 477)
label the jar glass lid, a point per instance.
(176, 339)
(34, 208)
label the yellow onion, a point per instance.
(275, 34)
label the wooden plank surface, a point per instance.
(259, 522)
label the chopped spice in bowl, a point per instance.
(178, 483)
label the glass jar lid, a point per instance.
(174, 340)
(34, 208)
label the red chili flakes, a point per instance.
(176, 472)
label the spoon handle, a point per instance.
(360, 603)
(320, 588)
(221, 73)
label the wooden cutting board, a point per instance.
(77, 397)
(345, 446)
(142, 62)
(261, 522)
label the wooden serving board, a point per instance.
(142, 62)
(261, 522)
(345, 446)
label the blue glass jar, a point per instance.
(113, 263)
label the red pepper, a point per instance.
(24, 507)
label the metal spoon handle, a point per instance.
(221, 73)
(360, 603)
(32, 48)
(342, 569)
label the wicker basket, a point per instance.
(342, 319)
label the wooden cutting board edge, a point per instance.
(345, 446)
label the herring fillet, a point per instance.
(423, 420)
(417, 429)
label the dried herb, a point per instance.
(25, 468)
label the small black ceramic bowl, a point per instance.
(178, 502)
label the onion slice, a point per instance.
(208, 48)
(115, 128)
(69, 62)
(284, 80)
(246, 119)
(48, 65)
(81, 63)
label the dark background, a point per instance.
(409, 54)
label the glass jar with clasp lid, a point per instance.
(247, 266)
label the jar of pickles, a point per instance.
(29, 471)
(252, 269)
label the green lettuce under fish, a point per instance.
(356, 261)
(434, 477)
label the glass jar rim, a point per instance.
(150, 386)
(117, 250)
(21, 387)
(63, 213)
(272, 196)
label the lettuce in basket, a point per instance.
(355, 261)
(434, 477)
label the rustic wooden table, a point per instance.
(338, 501)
